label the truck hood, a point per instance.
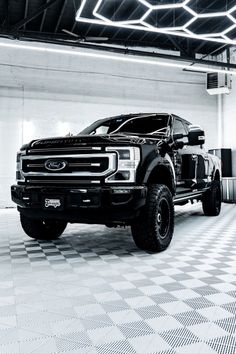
(84, 140)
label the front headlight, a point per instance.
(19, 176)
(128, 160)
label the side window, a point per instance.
(179, 128)
(186, 126)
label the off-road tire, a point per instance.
(153, 230)
(42, 229)
(211, 200)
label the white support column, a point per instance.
(220, 126)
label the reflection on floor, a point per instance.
(93, 291)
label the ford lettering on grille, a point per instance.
(55, 165)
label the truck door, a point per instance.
(185, 161)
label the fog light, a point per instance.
(121, 191)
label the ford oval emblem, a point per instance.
(55, 165)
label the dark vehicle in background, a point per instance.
(125, 170)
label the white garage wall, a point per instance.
(47, 94)
(229, 123)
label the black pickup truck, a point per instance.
(126, 170)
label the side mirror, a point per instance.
(196, 136)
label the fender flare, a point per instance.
(161, 162)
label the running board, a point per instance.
(187, 197)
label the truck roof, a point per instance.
(143, 114)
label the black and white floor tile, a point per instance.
(93, 291)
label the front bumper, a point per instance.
(102, 205)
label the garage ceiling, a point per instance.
(53, 20)
(181, 18)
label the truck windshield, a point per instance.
(151, 124)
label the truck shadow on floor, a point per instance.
(97, 240)
(96, 243)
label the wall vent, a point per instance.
(219, 83)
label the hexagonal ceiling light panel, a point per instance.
(174, 18)
(199, 6)
(117, 13)
(198, 19)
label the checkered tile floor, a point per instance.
(93, 291)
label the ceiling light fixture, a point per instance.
(85, 14)
(120, 57)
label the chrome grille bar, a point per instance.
(62, 181)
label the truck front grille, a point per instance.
(67, 168)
